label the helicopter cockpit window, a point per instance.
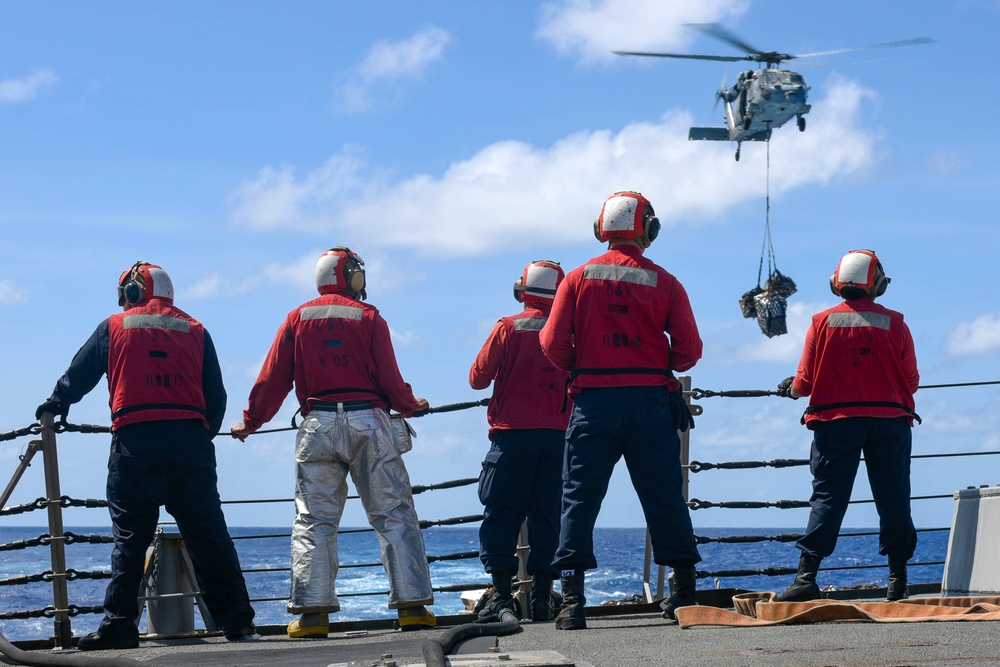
(795, 78)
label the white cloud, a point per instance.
(275, 200)
(13, 91)
(786, 348)
(382, 275)
(402, 339)
(10, 292)
(978, 336)
(771, 428)
(495, 198)
(592, 29)
(391, 61)
(298, 274)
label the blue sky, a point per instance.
(450, 143)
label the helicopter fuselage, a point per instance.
(766, 99)
(761, 101)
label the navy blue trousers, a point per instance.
(521, 479)
(169, 463)
(634, 423)
(836, 451)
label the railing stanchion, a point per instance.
(523, 592)
(57, 547)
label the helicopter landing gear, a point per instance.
(738, 152)
(801, 122)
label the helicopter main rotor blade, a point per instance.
(728, 59)
(721, 33)
(884, 45)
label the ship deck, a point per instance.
(624, 636)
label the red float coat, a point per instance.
(155, 362)
(332, 349)
(608, 322)
(527, 388)
(857, 352)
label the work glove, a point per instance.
(785, 388)
(55, 407)
(680, 411)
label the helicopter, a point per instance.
(764, 99)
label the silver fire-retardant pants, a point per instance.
(328, 446)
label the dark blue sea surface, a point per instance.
(618, 575)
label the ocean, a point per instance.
(618, 576)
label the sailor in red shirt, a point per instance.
(337, 353)
(167, 404)
(621, 325)
(860, 373)
(522, 473)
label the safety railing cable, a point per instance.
(45, 539)
(781, 571)
(787, 537)
(700, 466)
(695, 393)
(696, 504)
(698, 394)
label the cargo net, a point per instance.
(768, 304)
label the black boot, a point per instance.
(541, 599)
(502, 601)
(804, 587)
(897, 580)
(572, 615)
(685, 583)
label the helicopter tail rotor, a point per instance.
(720, 94)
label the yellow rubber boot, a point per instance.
(309, 626)
(416, 618)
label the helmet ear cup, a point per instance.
(133, 292)
(355, 278)
(519, 290)
(650, 227)
(881, 281)
(653, 228)
(597, 230)
(132, 287)
(833, 285)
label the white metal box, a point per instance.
(972, 566)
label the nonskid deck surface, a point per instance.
(624, 640)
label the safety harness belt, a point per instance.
(156, 406)
(813, 409)
(607, 371)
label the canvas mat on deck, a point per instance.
(759, 609)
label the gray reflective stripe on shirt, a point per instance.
(154, 321)
(858, 319)
(529, 324)
(625, 274)
(330, 313)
